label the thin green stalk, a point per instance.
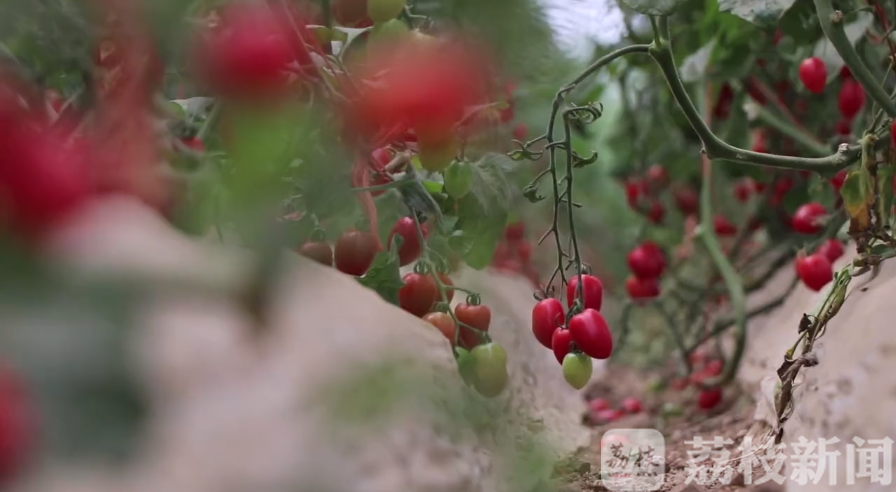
(809, 142)
(832, 25)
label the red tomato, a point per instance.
(418, 295)
(851, 99)
(708, 399)
(814, 270)
(723, 227)
(838, 179)
(813, 74)
(657, 176)
(642, 289)
(318, 251)
(355, 251)
(598, 404)
(607, 416)
(515, 232)
(631, 405)
(646, 261)
(832, 249)
(686, 200)
(592, 335)
(592, 291)
(410, 248)
(806, 218)
(656, 212)
(444, 323)
(560, 342)
(477, 316)
(547, 316)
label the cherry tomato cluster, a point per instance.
(579, 335)
(642, 194)
(514, 253)
(704, 368)
(647, 263)
(602, 412)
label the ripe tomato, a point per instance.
(814, 270)
(547, 316)
(592, 335)
(831, 249)
(478, 316)
(598, 404)
(744, 189)
(656, 212)
(631, 405)
(642, 289)
(195, 144)
(686, 200)
(708, 399)
(384, 10)
(418, 295)
(806, 218)
(813, 74)
(449, 293)
(657, 176)
(723, 227)
(646, 261)
(354, 252)
(317, 251)
(524, 251)
(577, 369)
(560, 341)
(607, 416)
(515, 232)
(490, 369)
(592, 291)
(444, 323)
(410, 247)
(838, 179)
(851, 99)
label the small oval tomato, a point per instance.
(832, 249)
(418, 295)
(607, 416)
(631, 405)
(592, 291)
(814, 270)
(444, 323)
(317, 251)
(458, 179)
(642, 289)
(806, 219)
(547, 316)
(577, 369)
(646, 261)
(686, 200)
(598, 404)
(560, 342)
(708, 399)
(592, 335)
(657, 176)
(723, 227)
(410, 247)
(384, 10)
(354, 252)
(490, 369)
(813, 74)
(851, 99)
(515, 232)
(478, 316)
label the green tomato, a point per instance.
(489, 369)
(435, 157)
(384, 10)
(577, 369)
(390, 30)
(458, 179)
(465, 365)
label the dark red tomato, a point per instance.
(851, 99)
(446, 280)
(656, 212)
(814, 270)
(477, 316)
(806, 218)
(714, 367)
(845, 73)
(524, 251)
(410, 248)
(709, 399)
(592, 291)
(560, 342)
(646, 261)
(598, 404)
(744, 189)
(837, 180)
(547, 316)
(18, 426)
(635, 188)
(813, 74)
(607, 416)
(723, 227)
(631, 405)
(686, 200)
(354, 252)
(657, 176)
(418, 295)
(642, 289)
(755, 93)
(592, 335)
(515, 232)
(831, 249)
(444, 322)
(317, 251)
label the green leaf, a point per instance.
(653, 7)
(483, 212)
(384, 276)
(694, 67)
(761, 12)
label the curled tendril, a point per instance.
(578, 161)
(586, 114)
(531, 193)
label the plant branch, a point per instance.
(808, 141)
(832, 25)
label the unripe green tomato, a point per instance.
(384, 10)
(577, 369)
(490, 369)
(390, 30)
(458, 179)
(436, 156)
(465, 365)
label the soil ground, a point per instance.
(731, 419)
